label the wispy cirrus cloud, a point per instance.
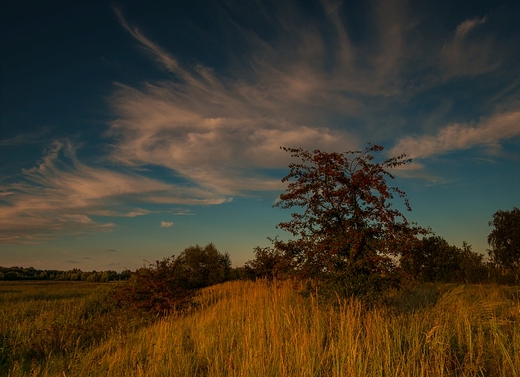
(224, 132)
(306, 88)
(27, 138)
(488, 132)
(64, 196)
(156, 51)
(467, 54)
(219, 147)
(166, 224)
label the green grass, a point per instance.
(262, 329)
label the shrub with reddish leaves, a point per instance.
(170, 284)
(159, 288)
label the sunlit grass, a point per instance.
(48, 324)
(262, 329)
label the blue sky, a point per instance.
(132, 130)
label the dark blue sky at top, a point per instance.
(60, 59)
(70, 71)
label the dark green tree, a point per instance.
(433, 259)
(504, 239)
(472, 267)
(204, 266)
(269, 263)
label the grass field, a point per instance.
(261, 329)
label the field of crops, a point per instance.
(260, 329)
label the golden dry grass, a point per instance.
(261, 329)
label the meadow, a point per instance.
(261, 328)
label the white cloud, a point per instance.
(26, 138)
(62, 195)
(213, 146)
(468, 55)
(465, 27)
(488, 132)
(220, 133)
(166, 224)
(163, 57)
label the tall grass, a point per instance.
(269, 329)
(47, 325)
(16, 291)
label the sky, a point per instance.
(132, 130)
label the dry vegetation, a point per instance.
(263, 329)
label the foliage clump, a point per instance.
(433, 259)
(156, 288)
(269, 263)
(171, 283)
(504, 239)
(204, 266)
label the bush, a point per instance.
(269, 263)
(204, 266)
(170, 284)
(158, 288)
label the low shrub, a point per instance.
(158, 289)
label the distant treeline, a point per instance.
(31, 273)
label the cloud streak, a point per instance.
(27, 138)
(467, 54)
(488, 132)
(306, 88)
(63, 196)
(215, 132)
(303, 89)
(162, 56)
(224, 132)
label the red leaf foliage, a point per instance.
(345, 221)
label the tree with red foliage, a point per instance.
(347, 227)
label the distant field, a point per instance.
(13, 291)
(260, 329)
